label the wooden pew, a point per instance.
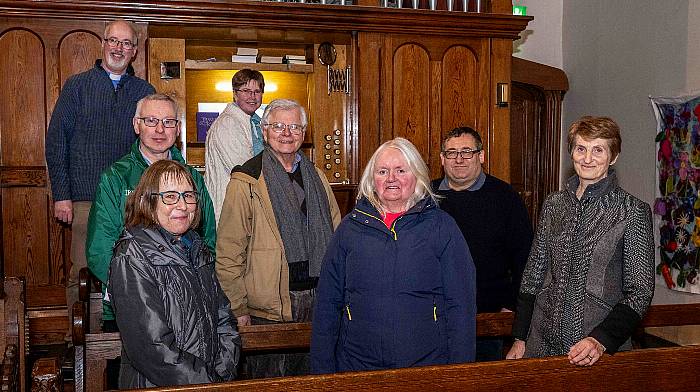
(98, 347)
(662, 369)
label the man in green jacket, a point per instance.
(157, 126)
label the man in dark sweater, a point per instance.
(493, 220)
(91, 127)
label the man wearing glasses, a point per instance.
(235, 136)
(278, 216)
(157, 125)
(90, 128)
(493, 220)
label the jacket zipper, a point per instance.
(391, 229)
(434, 310)
(347, 308)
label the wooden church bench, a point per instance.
(660, 369)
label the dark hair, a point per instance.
(591, 127)
(141, 205)
(459, 131)
(242, 77)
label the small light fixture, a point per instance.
(502, 95)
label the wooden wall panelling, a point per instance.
(435, 85)
(410, 96)
(171, 50)
(499, 147)
(526, 131)
(22, 125)
(328, 114)
(168, 50)
(463, 92)
(45, 52)
(371, 79)
(436, 118)
(535, 120)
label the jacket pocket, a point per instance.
(262, 280)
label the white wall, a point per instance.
(542, 40)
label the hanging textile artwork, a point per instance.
(677, 205)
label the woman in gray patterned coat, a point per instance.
(590, 276)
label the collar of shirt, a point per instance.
(445, 185)
(148, 161)
(295, 165)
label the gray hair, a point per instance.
(415, 163)
(158, 97)
(284, 104)
(131, 26)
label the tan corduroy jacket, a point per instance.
(250, 260)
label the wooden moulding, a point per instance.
(536, 74)
(225, 65)
(279, 16)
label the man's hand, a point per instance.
(243, 320)
(63, 211)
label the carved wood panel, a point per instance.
(430, 85)
(22, 124)
(77, 53)
(410, 96)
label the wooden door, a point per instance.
(421, 88)
(526, 132)
(44, 53)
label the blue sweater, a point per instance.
(91, 127)
(391, 298)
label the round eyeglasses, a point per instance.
(153, 122)
(294, 129)
(113, 43)
(465, 154)
(173, 197)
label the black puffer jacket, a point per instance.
(175, 321)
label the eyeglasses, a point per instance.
(153, 122)
(173, 197)
(294, 129)
(113, 43)
(247, 91)
(465, 154)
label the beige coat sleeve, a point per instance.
(232, 242)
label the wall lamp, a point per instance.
(502, 94)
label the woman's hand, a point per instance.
(517, 350)
(586, 352)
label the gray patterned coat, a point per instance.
(590, 271)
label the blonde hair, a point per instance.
(415, 163)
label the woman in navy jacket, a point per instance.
(397, 285)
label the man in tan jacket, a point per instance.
(277, 218)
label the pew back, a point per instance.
(663, 369)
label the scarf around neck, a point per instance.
(305, 237)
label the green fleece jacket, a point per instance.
(106, 220)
